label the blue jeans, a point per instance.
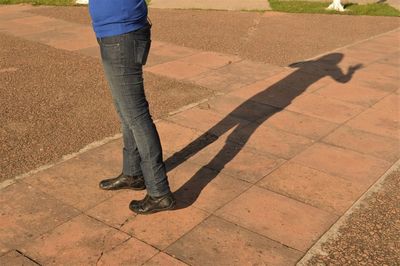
(123, 58)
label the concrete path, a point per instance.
(260, 171)
(212, 4)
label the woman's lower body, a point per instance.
(123, 57)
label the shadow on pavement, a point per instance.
(282, 92)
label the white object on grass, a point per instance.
(82, 2)
(336, 5)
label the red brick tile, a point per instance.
(3, 248)
(78, 38)
(378, 122)
(285, 220)
(325, 108)
(210, 59)
(170, 51)
(109, 155)
(115, 211)
(389, 105)
(344, 163)
(74, 182)
(242, 163)
(392, 59)
(80, 241)
(218, 242)
(299, 124)
(175, 137)
(204, 188)
(377, 46)
(364, 142)
(313, 187)
(165, 260)
(131, 252)
(177, 70)
(164, 228)
(236, 75)
(206, 120)
(237, 107)
(18, 29)
(269, 140)
(385, 70)
(375, 81)
(363, 96)
(27, 213)
(251, 92)
(14, 258)
(364, 56)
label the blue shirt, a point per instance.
(115, 17)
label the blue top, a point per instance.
(115, 17)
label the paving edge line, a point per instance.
(333, 232)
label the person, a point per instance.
(123, 32)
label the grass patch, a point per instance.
(376, 9)
(39, 2)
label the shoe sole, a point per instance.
(172, 206)
(131, 188)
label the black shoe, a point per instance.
(123, 181)
(150, 204)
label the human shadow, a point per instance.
(267, 102)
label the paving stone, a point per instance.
(170, 51)
(74, 182)
(363, 96)
(177, 70)
(27, 213)
(115, 211)
(218, 242)
(3, 248)
(377, 122)
(211, 60)
(325, 108)
(364, 56)
(77, 38)
(109, 155)
(236, 75)
(18, 29)
(299, 124)
(384, 70)
(389, 105)
(280, 218)
(313, 187)
(165, 260)
(378, 45)
(206, 120)
(344, 163)
(80, 241)
(381, 147)
(204, 188)
(174, 137)
(236, 161)
(375, 81)
(237, 107)
(131, 252)
(14, 258)
(270, 140)
(164, 228)
(392, 59)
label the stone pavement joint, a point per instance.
(249, 167)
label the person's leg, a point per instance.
(122, 59)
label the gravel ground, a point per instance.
(277, 38)
(371, 236)
(55, 102)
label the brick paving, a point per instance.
(261, 171)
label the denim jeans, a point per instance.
(123, 57)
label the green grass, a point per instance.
(376, 9)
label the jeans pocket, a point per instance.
(141, 51)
